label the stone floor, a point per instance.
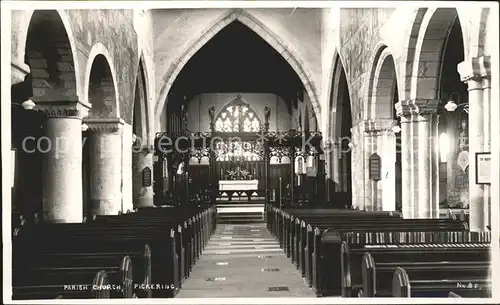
(244, 260)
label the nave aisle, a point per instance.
(244, 260)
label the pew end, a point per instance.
(451, 294)
(400, 284)
(101, 280)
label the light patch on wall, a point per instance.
(444, 147)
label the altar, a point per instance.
(238, 185)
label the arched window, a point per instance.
(237, 116)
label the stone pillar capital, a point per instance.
(379, 126)
(18, 72)
(475, 68)
(63, 109)
(145, 149)
(106, 125)
(421, 107)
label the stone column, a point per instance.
(382, 193)
(407, 181)
(486, 83)
(143, 195)
(126, 173)
(476, 73)
(452, 127)
(420, 162)
(62, 162)
(357, 167)
(105, 165)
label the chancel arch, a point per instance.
(286, 52)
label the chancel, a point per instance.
(300, 152)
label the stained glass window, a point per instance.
(237, 117)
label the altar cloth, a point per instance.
(238, 185)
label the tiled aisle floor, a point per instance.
(232, 266)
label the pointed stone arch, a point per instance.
(282, 47)
(332, 91)
(433, 31)
(100, 52)
(382, 85)
(149, 95)
(336, 106)
(140, 109)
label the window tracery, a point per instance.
(237, 117)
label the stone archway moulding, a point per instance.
(19, 68)
(146, 104)
(149, 96)
(431, 35)
(332, 94)
(378, 60)
(100, 49)
(265, 33)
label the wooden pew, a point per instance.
(140, 260)
(298, 229)
(380, 261)
(126, 232)
(352, 253)
(182, 233)
(160, 237)
(49, 283)
(191, 236)
(326, 276)
(324, 241)
(326, 217)
(465, 280)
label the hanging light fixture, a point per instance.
(451, 106)
(85, 127)
(396, 129)
(28, 104)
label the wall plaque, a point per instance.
(463, 160)
(146, 177)
(375, 167)
(483, 168)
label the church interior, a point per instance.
(252, 152)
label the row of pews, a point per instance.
(143, 254)
(353, 253)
